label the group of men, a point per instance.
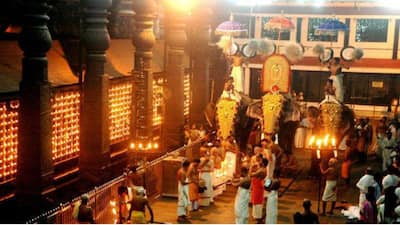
(258, 185)
(197, 179)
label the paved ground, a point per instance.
(291, 200)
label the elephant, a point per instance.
(250, 111)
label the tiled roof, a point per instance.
(11, 66)
(120, 62)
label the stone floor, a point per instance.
(293, 191)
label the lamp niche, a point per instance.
(120, 98)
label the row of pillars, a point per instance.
(35, 167)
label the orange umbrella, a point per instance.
(279, 23)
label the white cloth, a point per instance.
(238, 78)
(300, 137)
(230, 164)
(363, 184)
(329, 191)
(387, 146)
(183, 198)
(242, 206)
(338, 85)
(271, 167)
(272, 208)
(390, 180)
(257, 211)
(231, 95)
(206, 173)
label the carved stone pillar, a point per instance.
(143, 40)
(176, 40)
(35, 164)
(198, 43)
(94, 152)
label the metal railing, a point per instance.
(100, 197)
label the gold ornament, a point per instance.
(331, 116)
(226, 113)
(272, 106)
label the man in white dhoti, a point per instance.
(329, 194)
(272, 203)
(206, 169)
(183, 192)
(365, 181)
(388, 144)
(242, 198)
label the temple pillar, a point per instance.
(143, 40)
(173, 135)
(199, 38)
(34, 164)
(95, 140)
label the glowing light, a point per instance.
(181, 5)
(156, 145)
(8, 140)
(187, 93)
(140, 146)
(157, 103)
(65, 111)
(333, 142)
(318, 3)
(392, 4)
(326, 140)
(319, 143)
(120, 100)
(149, 146)
(132, 146)
(112, 203)
(252, 2)
(311, 142)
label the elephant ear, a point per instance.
(254, 110)
(347, 116)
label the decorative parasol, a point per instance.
(331, 27)
(230, 28)
(279, 24)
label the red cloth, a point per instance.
(257, 191)
(346, 169)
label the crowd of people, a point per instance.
(199, 180)
(379, 200)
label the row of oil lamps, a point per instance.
(142, 146)
(323, 142)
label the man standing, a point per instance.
(138, 207)
(183, 192)
(257, 190)
(85, 213)
(388, 143)
(206, 173)
(331, 176)
(242, 198)
(365, 181)
(193, 176)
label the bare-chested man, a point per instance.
(206, 168)
(183, 192)
(194, 178)
(138, 207)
